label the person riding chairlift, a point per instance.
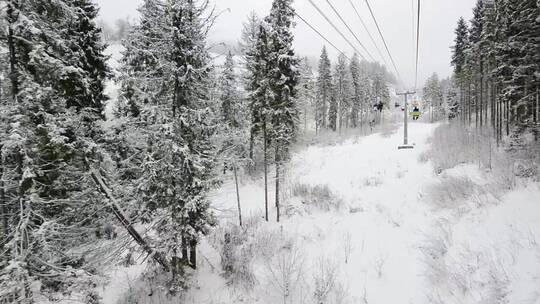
(416, 113)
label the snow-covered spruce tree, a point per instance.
(7, 108)
(433, 94)
(248, 44)
(55, 210)
(475, 61)
(451, 96)
(282, 79)
(250, 32)
(458, 61)
(259, 94)
(306, 91)
(333, 108)
(144, 69)
(342, 85)
(230, 99)
(324, 91)
(165, 79)
(522, 61)
(234, 125)
(179, 168)
(90, 55)
(357, 91)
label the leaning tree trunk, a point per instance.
(125, 222)
(237, 194)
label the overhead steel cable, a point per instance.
(350, 30)
(417, 46)
(369, 33)
(319, 33)
(335, 28)
(384, 41)
(413, 32)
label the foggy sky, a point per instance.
(438, 20)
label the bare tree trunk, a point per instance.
(305, 117)
(469, 103)
(507, 112)
(278, 159)
(481, 106)
(3, 205)
(237, 194)
(476, 95)
(193, 254)
(14, 73)
(185, 245)
(251, 144)
(461, 102)
(536, 117)
(265, 145)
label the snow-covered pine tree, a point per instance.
(250, 32)
(475, 61)
(165, 76)
(233, 124)
(56, 211)
(523, 63)
(333, 109)
(433, 95)
(283, 79)
(357, 91)
(324, 91)
(229, 94)
(342, 83)
(451, 96)
(458, 61)
(489, 41)
(306, 91)
(143, 71)
(248, 45)
(179, 184)
(259, 94)
(90, 56)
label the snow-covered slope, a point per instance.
(365, 221)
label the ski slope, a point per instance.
(383, 237)
(381, 214)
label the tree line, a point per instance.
(348, 94)
(496, 59)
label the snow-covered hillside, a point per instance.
(362, 227)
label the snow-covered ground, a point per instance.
(366, 223)
(382, 238)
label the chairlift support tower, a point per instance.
(405, 122)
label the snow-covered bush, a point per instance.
(285, 274)
(237, 249)
(318, 196)
(452, 145)
(372, 181)
(451, 192)
(324, 279)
